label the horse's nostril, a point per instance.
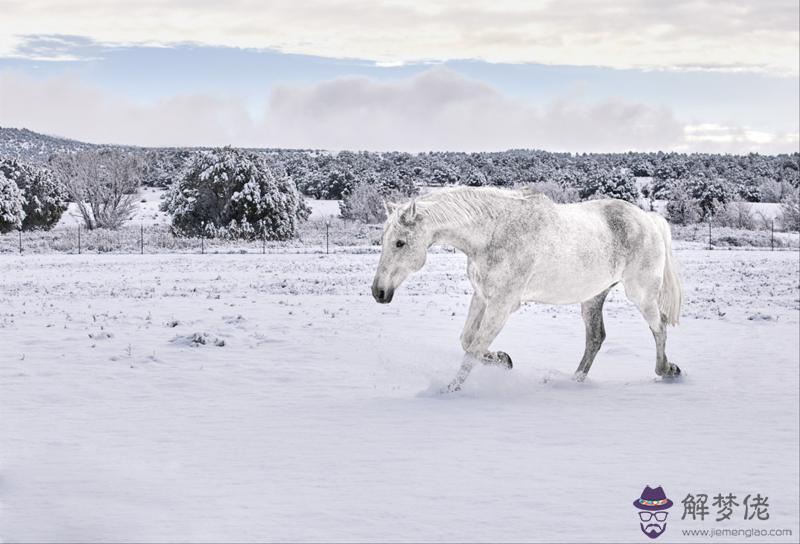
(381, 294)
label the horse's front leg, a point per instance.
(474, 316)
(482, 326)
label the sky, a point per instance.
(568, 75)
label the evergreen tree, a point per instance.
(231, 193)
(11, 205)
(44, 198)
(617, 184)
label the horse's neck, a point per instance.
(470, 235)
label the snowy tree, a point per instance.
(474, 177)
(444, 174)
(681, 207)
(641, 168)
(45, 199)
(394, 181)
(617, 184)
(232, 193)
(711, 193)
(103, 184)
(774, 191)
(161, 167)
(790, 211)
(363, 203)
(11, 205)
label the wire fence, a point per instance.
(316, 236)
(311, 236)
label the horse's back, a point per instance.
(637, 237)
(585, 247)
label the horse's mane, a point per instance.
(462, 204)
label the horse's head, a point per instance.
(405, 247)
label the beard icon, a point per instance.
(653, 530)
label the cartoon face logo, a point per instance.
(653, 505)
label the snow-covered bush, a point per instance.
(11, 205)
(365, 203)
(103, 184)
(45, 199)
(162, 167)
(474, 177)
(682, 209)
(790, 211)
(711, 193)
(738, 215)
(556, 191)
(231, 193)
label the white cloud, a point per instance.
(716, 138)
(679, 34)
(436, 110)
(64, 106)
(440, 109)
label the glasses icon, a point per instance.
(647, 516)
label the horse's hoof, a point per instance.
(579, 376)
(451, 388)
(505, 359)
(673, 371)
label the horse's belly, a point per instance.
(568, 287)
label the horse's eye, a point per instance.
(399, 243)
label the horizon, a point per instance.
(335, 151)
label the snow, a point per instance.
(769, 210)
(267, 397)
(323, 209)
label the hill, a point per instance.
(33, 147)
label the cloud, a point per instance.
(440, 109)
(64, 106)
(436, 110)
(716, 138)
(759, 35)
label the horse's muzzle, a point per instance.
(382, 296)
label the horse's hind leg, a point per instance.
(592, 312)
(645, 295)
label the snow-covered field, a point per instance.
(267, 397)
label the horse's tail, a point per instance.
(671, 294)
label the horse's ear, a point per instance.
(409, 216)
(390, 207)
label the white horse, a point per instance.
(522, 247)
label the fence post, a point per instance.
(79, 239)
(772, 235)
(263, 243)
(327, 228)
(20, 241)
(141, 238)
(202, 243)
(709, 233)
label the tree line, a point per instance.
(241, 193)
